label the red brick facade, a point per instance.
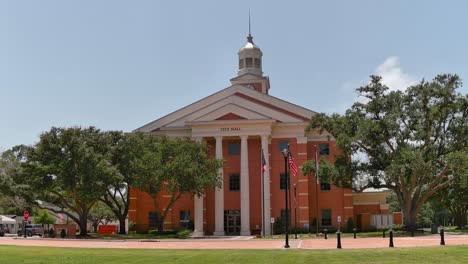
(338, 200)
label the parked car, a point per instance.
(32, 230)
(3, 230)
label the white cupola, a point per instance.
(250, 58)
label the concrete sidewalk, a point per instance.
(239, 243)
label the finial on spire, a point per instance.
(249, 38)
(249, 21)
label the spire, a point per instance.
(249, 38)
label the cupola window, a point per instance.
(258, 63)
(248, 62)
(241, 64)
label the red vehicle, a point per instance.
(32, 230)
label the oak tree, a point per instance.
(413, 142)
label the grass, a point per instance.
(35, 255)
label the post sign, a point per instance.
(26, 215)
(272, 220)
(338, 219)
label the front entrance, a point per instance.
(232, 222)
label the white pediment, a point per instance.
(235, 99)
(228, 109)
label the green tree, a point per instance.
(126, 152)
(455, 199)
(100, 214)
(44, 218)
(174, 167)
(66, 170)
(412, 142)
(12, 201)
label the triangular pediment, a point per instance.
(232, 102)
(230, 116)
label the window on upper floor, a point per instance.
(234, 148)
(324, 149)
(325, 186)
(283, 145)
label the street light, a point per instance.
(285, 154)
(295, 212)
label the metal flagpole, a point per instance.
(316, 192)
(289, 187)
(263, 192)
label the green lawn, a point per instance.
(19, 254)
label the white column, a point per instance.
(266, 187)
(219, 193)
(244, 188)
(198, 208)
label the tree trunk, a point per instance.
(160, 224)
(122, 225)
(460, 218)
(409, 219)
(95, 226)
(83, 225)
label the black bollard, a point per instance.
(338, 239)
(326, 234)
(442, 239)
(390, 233)
(383, 232)
(354, 231)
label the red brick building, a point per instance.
(237, 123)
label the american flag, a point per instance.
(263, 162)
(292, 165)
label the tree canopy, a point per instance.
(413, 142)
(66, 170)
(174, 167)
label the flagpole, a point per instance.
(263, 193)
(289, 185)
(316, 193)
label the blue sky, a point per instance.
(121, 64)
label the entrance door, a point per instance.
(232, 222)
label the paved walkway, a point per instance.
(239, 243)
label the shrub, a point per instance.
(349, 225)
(183, 234)
(372, 228)
(278, 226)
(398, 227)
(51, 233)
(63, 233)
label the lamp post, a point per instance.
(285, 154)
(295, 212)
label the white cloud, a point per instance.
(393, 76)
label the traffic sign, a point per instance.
(26, 215)
(338, 219)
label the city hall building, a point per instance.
(237, 123)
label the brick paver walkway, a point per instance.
(242, 243)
